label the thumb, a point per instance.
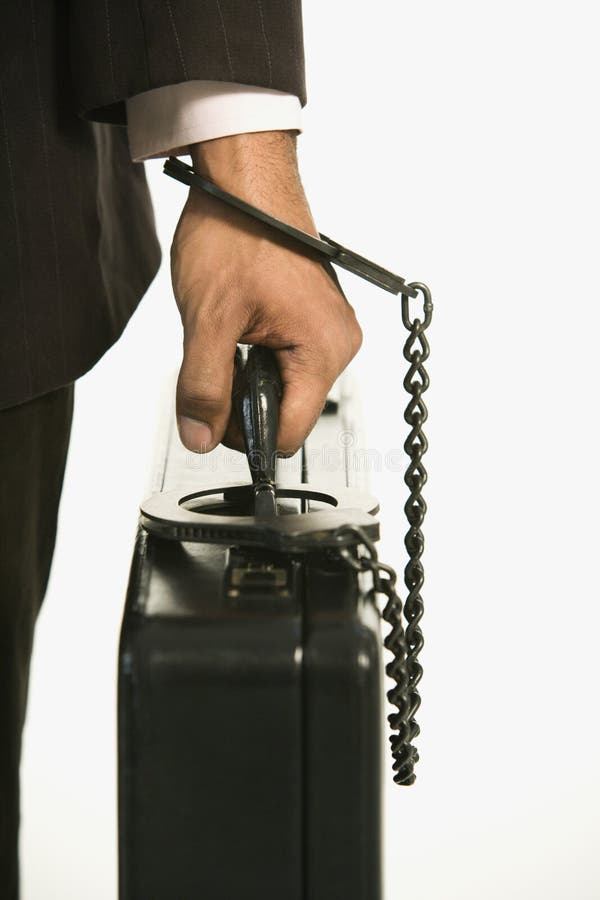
(204, 384)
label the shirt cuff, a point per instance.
(165, 121)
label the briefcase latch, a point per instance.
(258, 576)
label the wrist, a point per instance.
(259, 167)
(249, 160)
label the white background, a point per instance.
(455, 143)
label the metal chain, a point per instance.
(416, 382)
(404, 644)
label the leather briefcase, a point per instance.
(251, 686)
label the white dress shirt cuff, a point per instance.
(166, 120)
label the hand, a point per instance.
(235, 281)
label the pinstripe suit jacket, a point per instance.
(76, 223)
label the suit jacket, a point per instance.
(79, 247)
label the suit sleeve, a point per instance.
(121, 48)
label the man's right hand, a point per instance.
(234, 283)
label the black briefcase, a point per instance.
(250, 685)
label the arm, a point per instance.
(261, 166)
(232, 281)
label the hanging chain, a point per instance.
(416, 382)
(404, 643)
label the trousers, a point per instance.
(34, 438)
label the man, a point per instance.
(85, 90)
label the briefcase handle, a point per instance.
(257, 391)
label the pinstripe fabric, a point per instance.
(79, 247)
(33, 447)
(125, 47)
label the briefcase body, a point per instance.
(250, 720)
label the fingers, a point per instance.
(308, 373)
(303, 401)
(204, 384)
(304, 395)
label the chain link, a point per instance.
(403, 643)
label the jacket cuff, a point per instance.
(122, 48)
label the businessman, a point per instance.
(88, 90)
